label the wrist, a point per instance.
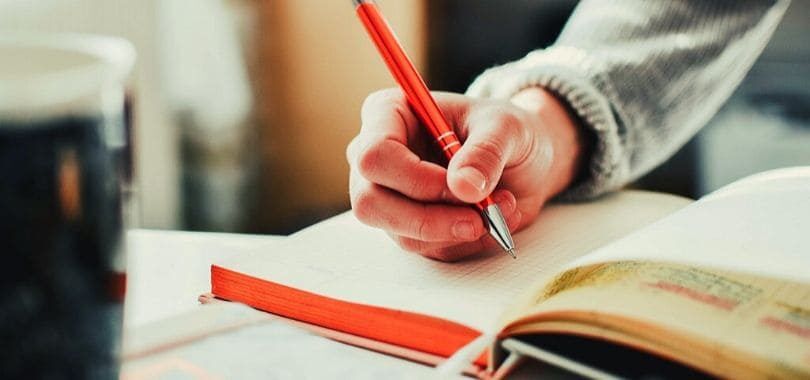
(566, 139)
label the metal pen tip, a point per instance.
(498, 229)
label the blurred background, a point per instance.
(243, 108)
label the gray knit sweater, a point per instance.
(642, 75)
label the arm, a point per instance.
(642, 76)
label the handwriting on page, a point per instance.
(769, 317)
(690, 282)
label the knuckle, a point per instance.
(488, 154)
(415, 187)
(421, 187)
(381, 97)
(364, 204)
(422, 227)
(368, 160)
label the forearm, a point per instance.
(641, 76)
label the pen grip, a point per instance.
(412, 84)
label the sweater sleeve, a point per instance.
(642, 76)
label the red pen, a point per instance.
(425, 108)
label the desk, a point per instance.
(166, 272)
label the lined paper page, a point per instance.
(758, 225)
(343, 259)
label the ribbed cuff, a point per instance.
(576, 79)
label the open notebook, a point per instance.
(716, 262)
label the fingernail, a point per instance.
(473, 177)
(464, 230)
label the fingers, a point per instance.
(495, 138)
(385, 115)
(464, 250)
(392, 165)
(394, 188)
(385, 151)
(454, 251)
(380, 207)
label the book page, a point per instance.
(759, 225)
(343, 259)
(716, 320)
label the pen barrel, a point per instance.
(484, 203)
(412, 84)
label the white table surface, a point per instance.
(166, 272)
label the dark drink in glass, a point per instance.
(62, 155)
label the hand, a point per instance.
(526, 150)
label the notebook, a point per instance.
(719, 285)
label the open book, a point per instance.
(720, 285)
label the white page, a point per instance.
(344, 259)
(758, 225)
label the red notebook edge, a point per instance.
(413, 336)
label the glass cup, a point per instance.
(63, 164)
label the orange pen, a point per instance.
(425, 108)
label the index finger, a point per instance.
(385, 151)
(385, 114)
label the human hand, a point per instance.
(522, 151)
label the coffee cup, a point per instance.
(63, 164)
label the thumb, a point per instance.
(476, 168)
